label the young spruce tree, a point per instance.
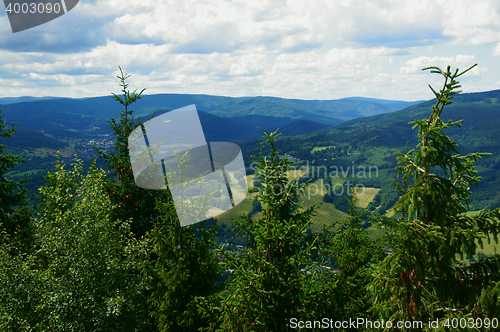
(423, 279)
(181, 264)
(353, 250)
(275, 279)
(130, 201)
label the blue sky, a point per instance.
(291, 49)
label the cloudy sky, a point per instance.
(291, 49)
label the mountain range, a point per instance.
(362, 131)
(48, 122)
(356, 130)
(51, 125)
(372, 140)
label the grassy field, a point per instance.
(472, 213)
(321, 148)
(30, 172)
(488, 248)
(44, 152)
(326, 212)
(243, 208)
(365, 196)
(295, 174)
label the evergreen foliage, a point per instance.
(353, 252)
(130, 201)
(106, 255)
(423, 279)
(275, 278)
(15, 219)
(181, 264)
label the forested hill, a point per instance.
(373, 140)
(51, 124)
(322, 111)
(48, 126)
(480, 113)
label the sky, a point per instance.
(290, 49)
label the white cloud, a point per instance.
(321, 49)
(496, 50)
(285, 25)
(393, 22)
(416, 65)
(472, 22)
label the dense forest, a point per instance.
(99, 253)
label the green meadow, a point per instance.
(313, 195)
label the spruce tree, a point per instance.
(276, 278)
(181, 265)
(15, 219)
(423, 278)
(130, 201)
(353, 251)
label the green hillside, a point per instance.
(314, 195)
(323, 111)
(263, 106)
(49, 126)
(371, 142)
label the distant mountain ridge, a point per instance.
(232, 119)
(53, 118)
(240, 129)
(322, 111)
(23, 99)
(371, 128)
(479, 110)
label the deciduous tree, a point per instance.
(83, 274)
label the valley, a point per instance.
(339, 141)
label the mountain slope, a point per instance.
(301, 127)
(288, 110)
(264, 106)
(219, 129)
(105, 107)
(43, 121)
(323, 111)
(371, 142)
(15, 100)
(352, 107)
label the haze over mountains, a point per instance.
(331, 111)
(15, 100)
(45, 121)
